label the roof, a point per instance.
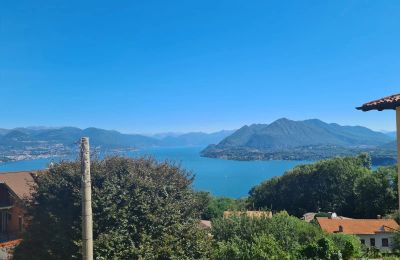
(250, 214)
(205, 224)
(18, 182)
(10, 244)
(358, 226)
(390, 102)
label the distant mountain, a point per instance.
(3, 131)
(195, 139)
(391, 134)
(20, 138)
(312, 138)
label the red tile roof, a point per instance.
(10, 244)
(390, 102)
(358, 226)
(18, 182)
(205, 224)
(250, 214)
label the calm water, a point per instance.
(221, 177)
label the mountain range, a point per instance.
(68, 136)
(303, 140)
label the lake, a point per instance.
(220, 177)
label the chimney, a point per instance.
(340, 229)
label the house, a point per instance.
(250, 214)
(376, 233)
(14, 188)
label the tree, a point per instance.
(142, 209)
(213, 207)
(376, 193)
(279, 237)
(342, 185)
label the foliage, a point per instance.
(376, 193)
(259, 247)
(322, 249)
(213, 207)
(343, 185)
(293, 238)
(348, 245)
(142, 209)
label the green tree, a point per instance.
(213, 207)
(283, 235)
(376, 193)
(142, 209)
(342, 185)
(348, 245)
(258, 248)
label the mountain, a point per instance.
(3, 131)
(195, 139)
(39, 142)
(285, 133)
(68, 136)
(286, 139)
(391, 134)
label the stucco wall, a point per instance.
(378, 240)
(13, 223)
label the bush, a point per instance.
(235, 236)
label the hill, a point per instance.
(39, 142)
(299, 140)
(195, 138)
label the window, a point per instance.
(20, 226)
(372, 242)
(362, 241)
(385, 242)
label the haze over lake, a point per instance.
(220, 177)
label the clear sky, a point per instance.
(155, 66)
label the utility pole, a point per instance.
(86, 189)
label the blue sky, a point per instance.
(155, 66)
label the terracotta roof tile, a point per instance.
(10, 244)
(250, 214)
(18, 182)
(390, 102)
(358, 226)
(205, 224)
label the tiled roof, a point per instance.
(18, 182)
(250, 214)
(358, 226)
(205, 224)
(390, 102)
(10, 244)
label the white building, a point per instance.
(376, 233)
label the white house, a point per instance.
(376, 233)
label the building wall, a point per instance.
(378, 240)
(14, 223)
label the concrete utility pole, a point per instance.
(86, 189)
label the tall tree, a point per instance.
(341, 185)
(142, 209)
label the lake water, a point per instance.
(220, 177)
